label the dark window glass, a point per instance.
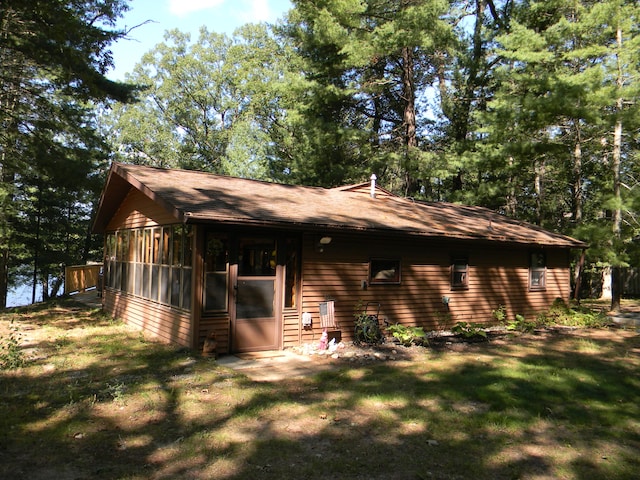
(291, 280)
(460, 272)
(537, 271)
(257, 258)
(384, 271)
(216, 273)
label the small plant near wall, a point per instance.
(521, 324)
(408, 335)
(469, 330)
(442, 321)
(500, 314)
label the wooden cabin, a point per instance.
(190, 253)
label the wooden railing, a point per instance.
(78, 278)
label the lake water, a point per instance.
(21, 295)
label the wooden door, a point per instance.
(256, 325)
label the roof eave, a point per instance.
(190, 217)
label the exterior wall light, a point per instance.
(323, 242)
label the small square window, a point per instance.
(537, 271)
(384, 271)
(460, 273)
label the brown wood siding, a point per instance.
(221, 326)
(136, 211)
(497, 276)
(291, 327)
(161, 322)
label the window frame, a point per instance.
(376, 266)
(459, 264)
(217, 269)
(537, 273)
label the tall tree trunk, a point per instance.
(511, 200)
(36, 253)
(616, 157)
(539, 175)
(577, 175)
(409, 117)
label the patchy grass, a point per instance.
(94, 399)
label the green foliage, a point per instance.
(11, 355)
(367, 328)
(573, 316)
(469, 330)
(560, 314)
(53, 59)
(407, 335)
(521, 324)
(217, 104)
(500, 313)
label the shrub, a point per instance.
(407, 335)
(521, 324)
(469, 330)
(367, 329)
(500, 313)
(11, 355)
(562, 314)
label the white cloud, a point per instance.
(256, 11)
(185, 7)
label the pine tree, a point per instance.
(53, 59)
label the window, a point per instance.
(216, 276)
(384, 271)
(537, 271)
(460, 272)
(291, 277)
(132, 263)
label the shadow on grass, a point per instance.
(101, 402)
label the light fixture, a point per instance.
(325, 240)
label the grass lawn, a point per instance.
(96, 400)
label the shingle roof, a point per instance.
(204, 197)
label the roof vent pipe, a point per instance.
(373, 185)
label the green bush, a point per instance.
(521, 324)
(500, 314)
(469, 330)
(562, 314)
(367, 329)
(407, 335)
(11, 355)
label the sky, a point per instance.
(221, 16)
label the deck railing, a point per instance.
(79, 278)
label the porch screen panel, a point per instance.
(155, 282)
(165, 284)
(215, 295)
(186, 288)
(175, 287)
(255, 298)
